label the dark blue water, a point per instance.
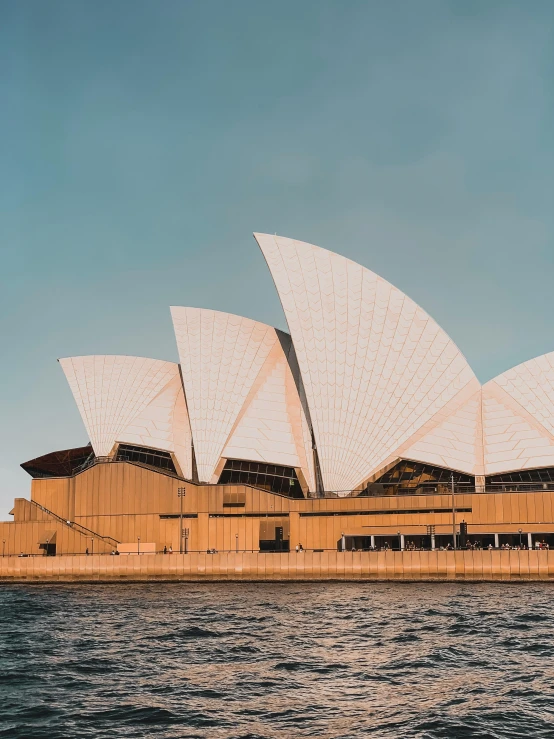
(276, 660)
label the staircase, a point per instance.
(109, 540)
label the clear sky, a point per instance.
(141, 144)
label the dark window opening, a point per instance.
(49, 549)
(274, 535)
(249, 515)
(273, 545)
(150, 457)
(521, 481)
(271, 477)
(278, 544)
(385, 512)
(415, 478)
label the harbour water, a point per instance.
(247, 660)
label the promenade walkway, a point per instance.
(479, 565)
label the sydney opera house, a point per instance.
(363, 428)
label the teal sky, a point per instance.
(141, 144)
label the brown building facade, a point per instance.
(128, 507)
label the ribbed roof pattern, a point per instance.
(367, 374)
(239, 389)
(375, 365)
(518, 417)
(131, 399)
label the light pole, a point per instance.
(453, 513)
(92, 544)
(181, 492)
(520, 533)
(236, 543)
(3, 547)
(186, 533)
(138, 544)
(399, 542)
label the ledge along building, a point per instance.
(363, 428)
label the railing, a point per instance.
(380, 490)
(77, 526)
(376, 550)
(445, 488)
(88, 461)
(519, 487)
(112, 460)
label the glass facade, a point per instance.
(542, 479)
(271, 477)
(415, 478)
(150, 457)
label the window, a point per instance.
(142, 455)
(521, 481)
(271, 477)
(413, 477)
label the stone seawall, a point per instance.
(329, 565)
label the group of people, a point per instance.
(518, 547)
(411, 546)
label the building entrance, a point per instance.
(277, 543)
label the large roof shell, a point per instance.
(376, 368)
(453, 438)
(367, 374)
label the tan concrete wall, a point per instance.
(126, 501)
(56, 494)
(24, 511)
(466, 565)
(26, 536)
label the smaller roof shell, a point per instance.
(131, 399)
(242, 397)
(518, 417)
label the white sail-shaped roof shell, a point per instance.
(376, 368)
(453, 439)
(367, 375)
(242, 398)
(518, 417)
(132, 400)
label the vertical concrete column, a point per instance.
(372, 541)
(343, 543)
(294, 529)
(203, 528)
(496, 542)
(433, 542)
(71, 500)
(402, 542)
(529, 541)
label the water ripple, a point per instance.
(261, 661)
